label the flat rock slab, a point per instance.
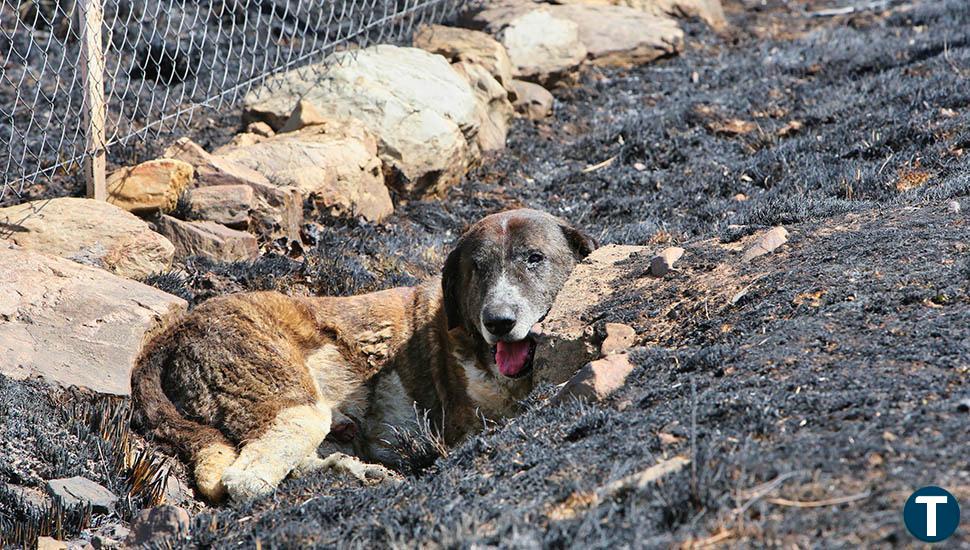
(74, 325)
(81, 491)
(424, 114)
(208, 239)
(228, 205)
(566, 340)
(90, 232)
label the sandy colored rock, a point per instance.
(333, 164)
(305, 114)
(243, 139)
(710, 11)
(766, 243)
(260, 129)
(621, 36)
(532, 100)
(72, 324)
(90, 232)
(208, 239)
(277, 208)
(565, 342)
(543, 48)
(597, 379)
(496, 111)
(459, 45)
(228, 205)
(423, 113)
(50, 543)
(619, 338)
(662, 263)
(150, 186)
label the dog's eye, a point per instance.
(535, 258)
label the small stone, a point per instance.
(954, 206)
(740, 197)
(619, 337)
(598, 379)
(225, 204)
(260, 128)
(50, 543)
(159, 524)
(532, 100)
(151, 186)
(768, 242)
(80, 491)
(662, 263)
(304, 114)
(639, 166)
(208, 239)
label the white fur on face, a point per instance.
(527, 314)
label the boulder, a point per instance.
(532, 100)
(459, 45)
(425, 116)
(155, 526)
(565, 341)
(208, 239)
(622, 36)
(90, 232)
(710, 11)
(149, 187)
(277, 208)
(228, 205)
(496, 111)
(72, 324)
(81, 491)
(333, 164)
(543, 48)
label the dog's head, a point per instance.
(502, 278)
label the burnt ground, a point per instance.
(839, 373)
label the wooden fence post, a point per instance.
(90, 16)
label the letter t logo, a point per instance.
(931, 502)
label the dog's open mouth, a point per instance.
(514, 359)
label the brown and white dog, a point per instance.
(246, 387)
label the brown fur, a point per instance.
(240, 386)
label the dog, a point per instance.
(246, 387)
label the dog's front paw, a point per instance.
(370, 474)
(244, 486)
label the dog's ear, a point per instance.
(451, 287)
(581, 244)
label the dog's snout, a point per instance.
(499, 320)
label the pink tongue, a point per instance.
(511, 356)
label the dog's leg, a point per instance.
(210, 465)
(293, 435)
(344, 463)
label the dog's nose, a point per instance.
(499, 321)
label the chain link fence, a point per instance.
(161, 62)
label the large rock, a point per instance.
(149, 187)
(459, 45)
(277, 208)
(566, 341)
(90, 232)
(228, 205)
(208, 239)
(710, 11)
(72, 324)
(496, 111)
(621, 36)
(424, 114)
(333, 164)
(543, 48)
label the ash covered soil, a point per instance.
(811, 404)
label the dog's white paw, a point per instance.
(367, 473)
(244, 485)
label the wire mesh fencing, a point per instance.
(160, 63)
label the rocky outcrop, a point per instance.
(74, 325)
(425, 116)
(277, 208)
(90, 232)
(208, 239)
(149, 187)
(334, 165)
